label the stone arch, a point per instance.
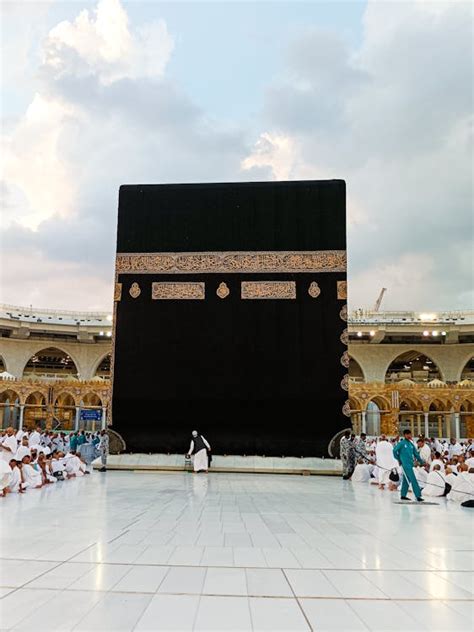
(96, 367)
(36, 398)
(61, 352)
(381, 401)
(63, 396)
(356, 372)
(35, 410)
(408, 364)
(91, 399)
(3, 364)
(467, 368)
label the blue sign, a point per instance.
(91, 415)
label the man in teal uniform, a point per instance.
(73, 442)
(405, 453)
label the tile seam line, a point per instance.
(310, 627)
(293, 568)
(250, 596)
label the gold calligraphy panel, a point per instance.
(178, 291)
(342, 290)
(268, 289)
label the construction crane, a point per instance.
(378, 302)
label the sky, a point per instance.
(95, 94)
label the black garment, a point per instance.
(199, 444)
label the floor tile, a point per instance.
(267, 582)
(183, 580)
(217, 556)
(22, 602)
(331, 614)
(141, 579)
(353, 585)
(382, 616)
(115, 611)
(310, 583)
(169, 612)
(100, 577)
(277, 614)
(225, 581)
(223, 613)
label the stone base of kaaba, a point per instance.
(231, 463)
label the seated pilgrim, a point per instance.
(421, 475)
(5, 477)
(362, 472)
(462, 487)
(435, 482)
(32, 477)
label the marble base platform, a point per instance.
(251, 464)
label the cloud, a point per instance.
(393, 118)
(104, 114)
(102, 43)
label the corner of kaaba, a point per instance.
(230, 317)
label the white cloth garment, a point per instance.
(361, 473)
(434, 484)
(462, 488)
(5, 475)
(23, 450)
(425, 453)
(74, 465)
(455, 450)
(470, 462)
(20, 434)
(385, 460)
(8, 442)
(32, 478)
(34, 439)
(15, 480)
(436, 462)
(421, 476)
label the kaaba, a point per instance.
(230, 317)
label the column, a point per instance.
(104, 418)
(427, 424)
(22, 413)
(76, 420)
(418, 425)
(412, 424)
(457, 425)
(440, 426)
(364, 421)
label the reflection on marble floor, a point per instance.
(175, 551)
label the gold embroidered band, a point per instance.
(342, 290)
(228, 262)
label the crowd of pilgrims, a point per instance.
(30, 460)
(440, 467)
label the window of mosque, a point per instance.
(413, 366)
(51, 363)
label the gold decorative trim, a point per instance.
(345, 359)
(268, 289)
(230, 262)
(343, 313)
(223, 290)
(117, 292)
(135, 290)
(345, 382)
(314, 290)
(342, 290)
(344, 337)
(178, 291)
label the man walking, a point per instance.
(405, 453)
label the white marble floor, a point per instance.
(175, 551)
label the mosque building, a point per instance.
(406, 369)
